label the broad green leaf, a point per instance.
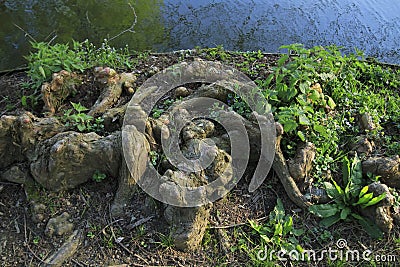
(338, 188)
(289, 126)
(81, 127)
(329, 221)
(298, 232)
(331, 103)
(279, 210)
(78, 107)
(364, 199)
(282, 60)
(320, 129)
(268, 80)
(288, 225)
(355, 179)
(375, 200)
(331, 190)
(370, 227)
(278, 229)
(24, 101)
(363, 191)
(324, 210)
(303, 120)
(344, 213)
(304, 86)
(346, 170)
(265, 238)
(254, 225)
(314, 95)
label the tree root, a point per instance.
(280, 167)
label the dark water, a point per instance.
(370, 25)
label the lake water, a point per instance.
(370, 25)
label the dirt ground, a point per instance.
(141, 236)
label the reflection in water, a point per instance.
(78, 19)
(371, 25)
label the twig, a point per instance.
(141, 258)
(131, 28)
(27, 245)
(77, 263)
(110, 224)
(26, 33)
(139, 222)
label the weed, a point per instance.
(347, 200)
(80, 56)
(318, 94)
(82, 122)
(161, 108)
(166, 241)
(237, 105)
(98, 176)
(215, 53)
(36, 240)
(154, 156)
(278, 233)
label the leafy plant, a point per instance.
(318, 94)
(279, 231)
(98, 176)
(53, 58)
(80, 56)
(346, 200)
(154, 157)
(161, 108)
(166, 241)
(84, 123)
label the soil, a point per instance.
(140, 236)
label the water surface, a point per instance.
(370, 25)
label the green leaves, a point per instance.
(48, 59)
(279, 230)
(325, 210)
(80, 120)
(344, 200)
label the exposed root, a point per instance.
(280, 167)
(113, 90)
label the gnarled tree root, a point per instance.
(280, 167)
